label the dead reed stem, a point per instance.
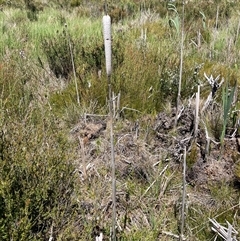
(197, 112)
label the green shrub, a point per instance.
(75, 3)
(36, 172)
(33, 9)
(36, 181)
(58, 54)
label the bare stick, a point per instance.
(227, 234)
(181, 237)
(112, 161)
(127, 108)
(197, 111)
(217, 14)
(170, 234)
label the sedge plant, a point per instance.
(175, 22)
(227, 100)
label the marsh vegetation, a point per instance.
(55, 169)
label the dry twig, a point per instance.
(228, 234)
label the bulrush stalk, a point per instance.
(108, 57)
(107, 43)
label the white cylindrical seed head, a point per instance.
(107, 43)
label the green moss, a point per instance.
(192, 157)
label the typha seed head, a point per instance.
(107, 43)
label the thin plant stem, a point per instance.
(73, 66)
(238, 28)
(217, 14)
(113, 238)
(197, 112)
(183, 198)
(105, 7)
(181, 66)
